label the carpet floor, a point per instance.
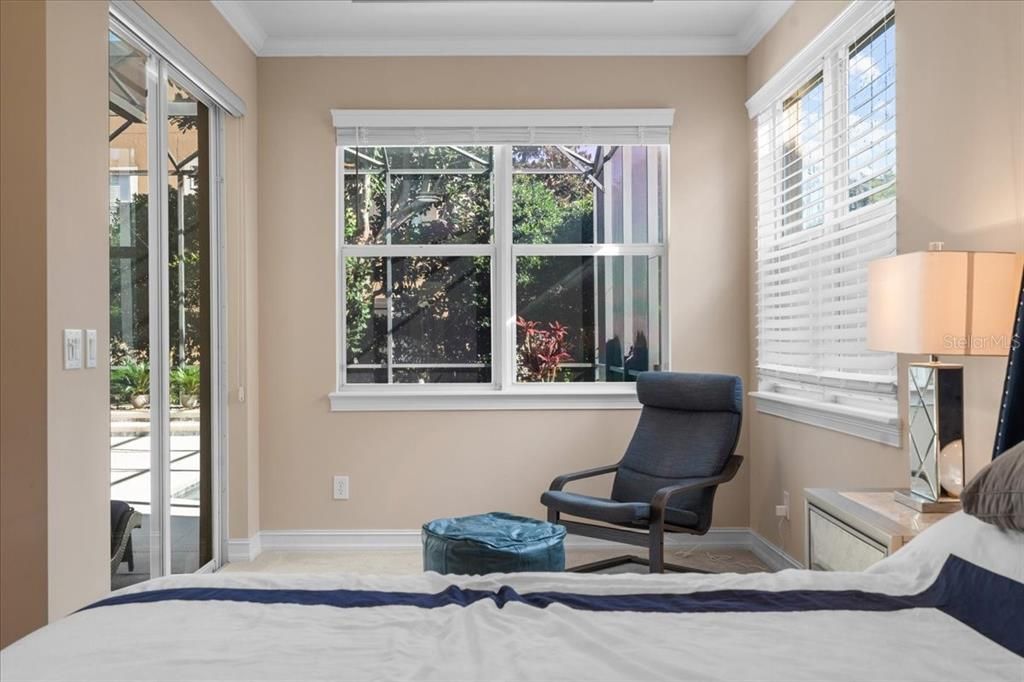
(408, 561)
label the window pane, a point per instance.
(556, 157)
(588, 194)
(366, 159)
(438, 157)
(131, 454)
(586, 318)
(552, 209)
(872, 116)
(803, 156)
(365, 315)
(418, 195)
(438, 311)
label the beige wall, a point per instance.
(56, 486)
(960, 70)
(409, 467)
(77, 296)
(201, 29)
(23, 527)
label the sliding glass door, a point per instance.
(164, 355)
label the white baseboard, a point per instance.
(327, 540)
(340, 540)
(771, 554)
(245, 549)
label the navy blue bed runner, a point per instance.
(987, 602)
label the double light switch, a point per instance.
(74, 353)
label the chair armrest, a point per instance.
(560, 481)
(660, 501)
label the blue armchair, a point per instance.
(682, 450)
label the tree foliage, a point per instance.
(129, 270)
(440, 307)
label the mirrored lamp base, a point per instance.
(936, 430)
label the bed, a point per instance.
(948, 606)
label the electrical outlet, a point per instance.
(782, 510)
(341, 487)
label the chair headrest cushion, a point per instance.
(691, 392)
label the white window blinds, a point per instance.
(826, 206)
(503, 127)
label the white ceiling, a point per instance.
(501, 27)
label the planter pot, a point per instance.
(140, 401)
(189, 401)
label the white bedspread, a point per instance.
(213, 639)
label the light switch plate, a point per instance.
(72, 349)
(90, 348)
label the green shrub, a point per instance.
(185, 380)
(130, 379)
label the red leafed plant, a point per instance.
(541, 351)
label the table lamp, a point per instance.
(940, 303)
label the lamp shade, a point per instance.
(943, 302)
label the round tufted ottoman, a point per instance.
(492, 543)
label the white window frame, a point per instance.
(503, 392)
(827, 54)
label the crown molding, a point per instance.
(765, 17)
(442, 46)
(249, 29)
(244, 23)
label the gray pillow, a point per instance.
(996, 494)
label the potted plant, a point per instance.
(134, 379)
(185, 380)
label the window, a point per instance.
(417, 262)
(500, 271)
(826, 206)
(588, 255)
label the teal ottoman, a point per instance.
(492, 543)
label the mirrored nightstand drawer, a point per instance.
(833, 546)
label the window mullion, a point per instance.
(503, 268)
(626, 154)
(388, 289)
(340, 288)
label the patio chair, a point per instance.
(682, 450)
(123, 520)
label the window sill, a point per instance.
(874, 426)
(616, 397)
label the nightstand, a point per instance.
(851, 530)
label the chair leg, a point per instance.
(602, 564)
(657, 548)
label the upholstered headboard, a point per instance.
(1010, 428)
